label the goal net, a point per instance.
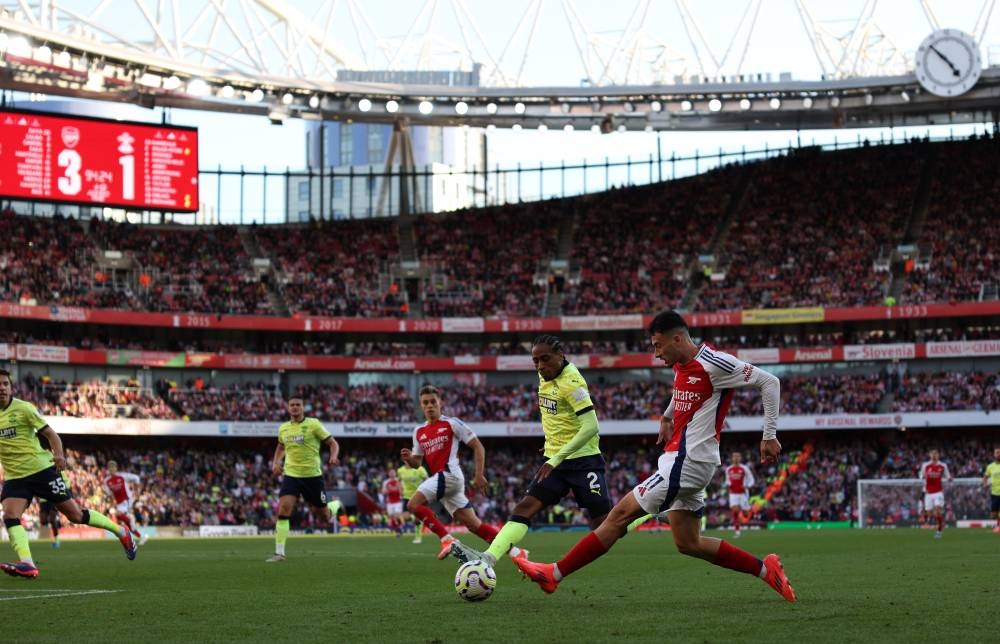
(886, 503)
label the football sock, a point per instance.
(638, 522)
(19, 539)
(585, 551)
(731, 557)
(95, 519)
(486, 532)
(280, 536)
(430, 519)
(510, 535)
(940, 523)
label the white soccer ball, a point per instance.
(475, 581)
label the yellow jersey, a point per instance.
(993, 471)
(561, 401)
(302, 443)
(21, 454)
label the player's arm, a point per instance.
(279, 458)
(334, 446)
(479, 455)
(588, 429)
(55, 444)
(743, 374)
(749, 479)
(666, 424)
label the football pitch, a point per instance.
(886, 586)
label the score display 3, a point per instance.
(98, 162)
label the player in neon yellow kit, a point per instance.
(992, 480)
(411, 478)
(297, 456)
(572, 452)
(30, 471)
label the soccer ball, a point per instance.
(475, 581)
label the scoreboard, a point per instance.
(97, 162)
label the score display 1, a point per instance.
(97, 162)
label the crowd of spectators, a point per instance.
(474, 399)
(811, 230)
(819, 394)
(948, 391)
(93, 399)
(635, 247)
(960, 227)
(184, 268)
(486, 263)
(336, 269)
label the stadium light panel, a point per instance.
(491, 108)
(364, 105)
(775, 103)
(715, 105)
(63, 59)
(745, 104)
(656, 106)
(516, 127)
(19, 46)
(461, 108)
(869, 99)
(543, 127)
(834, 101)
(905, 96)
(686, 105)
(568, 127)
(171, 83)
(807, 102)
(197, 87)
(43, 54)
(256, 96)
(595, 128)
(519, 108)
(425, 107)
(622, 128)
(287, 98)
(314, 101)
(227, 91)
(391, 106)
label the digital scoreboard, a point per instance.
(97, 162)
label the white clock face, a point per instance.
(948, 62)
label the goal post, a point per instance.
(887, 503)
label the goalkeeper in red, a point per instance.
(704, 384)
(30, 471)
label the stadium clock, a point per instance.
(948, 62)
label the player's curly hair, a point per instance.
(550, 341)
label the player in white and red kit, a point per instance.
(116, 484)
(392, 494)
(436, 442)
(704, 384)
(739, 479)
(933, 473)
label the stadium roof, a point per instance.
(459, 63)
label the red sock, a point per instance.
(486, 532)
(739, 560)
(430, 520)
(585, 551)
(940, 523)
(736, 520)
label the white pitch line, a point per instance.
(58, 594)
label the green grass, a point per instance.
(885, 586)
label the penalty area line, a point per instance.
(55, 593)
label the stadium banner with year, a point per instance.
(149, 427)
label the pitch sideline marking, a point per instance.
(55, 593)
